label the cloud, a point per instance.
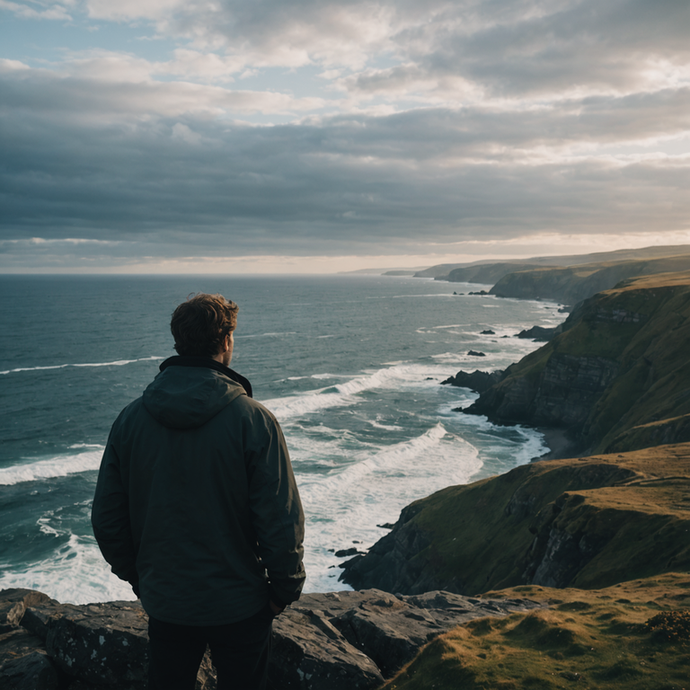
(360, 127)
(51, 11)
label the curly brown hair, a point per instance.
(200, 324)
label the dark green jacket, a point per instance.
(196, 502)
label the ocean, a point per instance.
(350, 365)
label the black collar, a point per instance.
(180, 361)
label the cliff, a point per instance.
(486, 274)
(442, 271)
(572, 284)
(334, 641)
(587, 522)
(616, 378)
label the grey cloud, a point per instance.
(344, 184)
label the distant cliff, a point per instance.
(616, 378)
(587, 522)
(571, 284)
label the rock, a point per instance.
(101, 644)
(475, 353)
(347, 552)
(309, 653)
(480, 292)
(13, 604)
(478, 381)
(488, 331)
(540, 333)
(24, 664)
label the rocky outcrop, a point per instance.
(587, 522)
(333, 641)
(618, 365)
(540, 333)
(477, 381)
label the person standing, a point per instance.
(196, 506)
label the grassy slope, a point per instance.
(636, 506)
(635, 635)
(572, 284)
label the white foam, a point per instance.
(74, 574)
(116, 363)
(265, 335)
(348, 502)
(59, 466)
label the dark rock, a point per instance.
(13, 604)
(386, 525)
(102, 644)
(540, 333)
(478, 381)
(488, 331)
(475, 353)
(391, 629)
(309, 653)
(481, 292)
(347, 552)
(24, 664)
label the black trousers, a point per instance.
(239, 651)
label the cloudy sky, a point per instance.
(319, 135)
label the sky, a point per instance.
(227, 136)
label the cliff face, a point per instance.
(590, 522)
(572, 284)
(617, 377)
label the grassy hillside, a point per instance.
(587, 522)
(572, 284)
(441, 271)
(635, 635)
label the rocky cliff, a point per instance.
(617, 377)
(572, 284)
(587, 522)
(334, 641)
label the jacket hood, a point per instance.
(187, 396)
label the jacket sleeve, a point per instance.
(110, 517)
(277, 515)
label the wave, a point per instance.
(393, 457)
(59, 466)
(265, 335)
(75, 573)
(116, 363)
(343, 394)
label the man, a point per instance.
(197, 507)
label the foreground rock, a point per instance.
(586, 522)
(334, 641)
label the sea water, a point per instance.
(350, 365)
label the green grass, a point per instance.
(635, 635)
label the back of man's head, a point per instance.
(201, 324)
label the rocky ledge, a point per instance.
(334, 641)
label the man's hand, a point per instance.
(275, 609)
